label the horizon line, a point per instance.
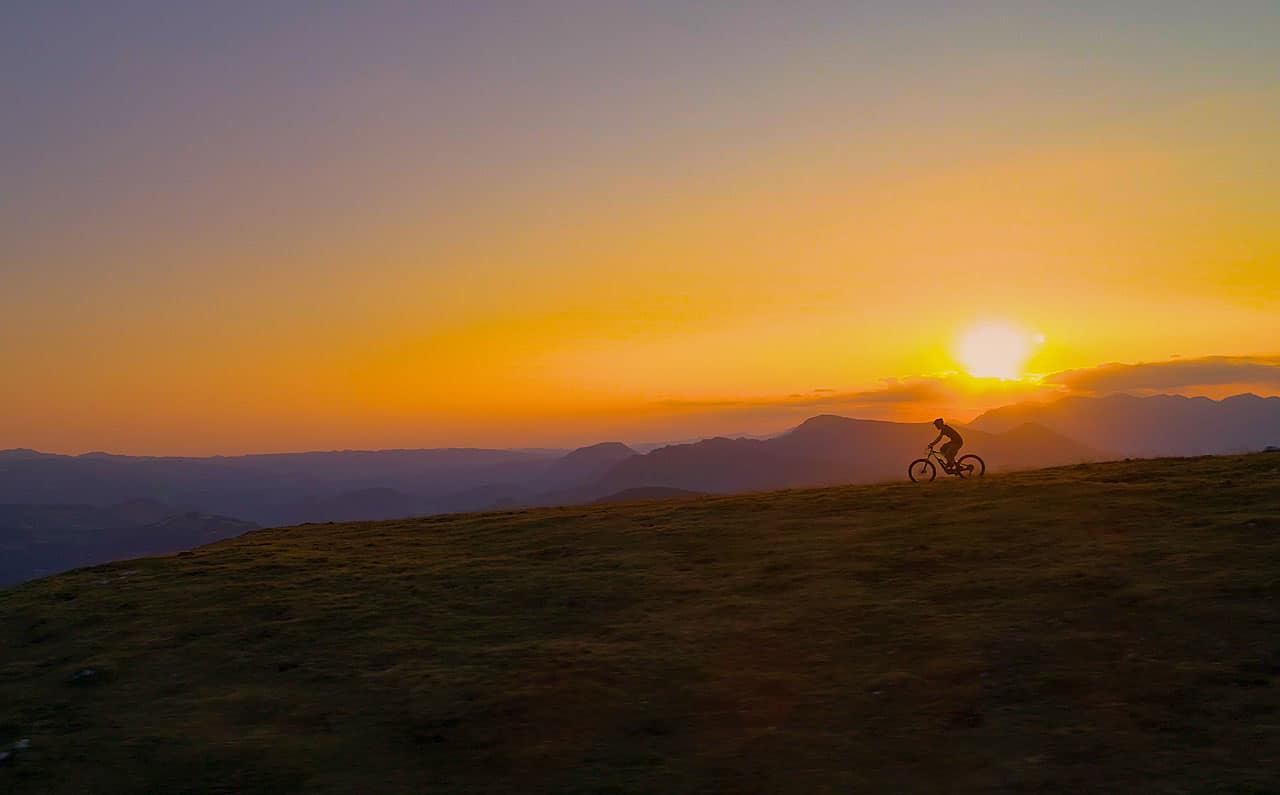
(571, 448)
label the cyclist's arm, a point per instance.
(935, 441)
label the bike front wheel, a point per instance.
(922, 470)
(971, 466)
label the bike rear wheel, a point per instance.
(970, 466)
(922, 470)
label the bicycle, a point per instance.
(923, 470)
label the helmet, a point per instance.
(938, 422)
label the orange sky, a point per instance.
(625, 254)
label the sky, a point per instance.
(251, 227)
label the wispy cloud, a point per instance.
(1177, 374)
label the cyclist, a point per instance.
(954, 442)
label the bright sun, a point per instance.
(996, 350)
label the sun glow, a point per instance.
(996, 350)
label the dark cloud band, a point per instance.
(1204, 371)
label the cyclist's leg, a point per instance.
(949, 450)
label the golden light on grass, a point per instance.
(996, 349)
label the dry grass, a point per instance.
(1107, 627)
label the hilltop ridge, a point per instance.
(1100, 626)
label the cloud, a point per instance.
(1181, 373)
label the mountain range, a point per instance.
(61, 503)
(1147, 427)
(36, 540)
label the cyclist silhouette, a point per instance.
(954, 441)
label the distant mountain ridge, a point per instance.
(37, 540)
(1160, 425)
(266, 489)
(827, 450)
(68, 500)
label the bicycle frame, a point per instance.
(938, 458)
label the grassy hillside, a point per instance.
(1102, 627)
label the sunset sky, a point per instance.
(251, 227)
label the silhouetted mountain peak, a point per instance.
(604, 451)
(823, 419)
(21, 454)
(587, 463)
(833, 423)
(714, 441)
(822, 422)
(1249, 398)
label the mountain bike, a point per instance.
(923, 470)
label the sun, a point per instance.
(996, 350)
